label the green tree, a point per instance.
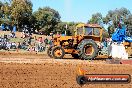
(129, 25)
(129, 21)
(66, 26)
(47, 19)
(105, 34)
(95, 18)
(111, 30)
(21, 10)
(5, 13)
(1, 12)
(116, 14)
(72, 26)
(61, 26)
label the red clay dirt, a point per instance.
(31, 70)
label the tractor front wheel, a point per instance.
(58, 52)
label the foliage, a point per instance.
(47, 19)
(1, 13)
(67, 26)
(95, 18)
(21, 11)
(129, 25)
(114, 17)
(15, 12)
(105, 34)
(5, 13)
(116, 14)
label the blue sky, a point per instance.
(81, 10)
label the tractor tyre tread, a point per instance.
(81, 51)
(58, 47)
(50, 50)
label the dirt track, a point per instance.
(39, 71)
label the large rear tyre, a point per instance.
(58, 52)
(49, 52)
(88, 49)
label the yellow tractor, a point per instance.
(83, 44)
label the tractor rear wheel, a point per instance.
(88, 49)
(49, 52)
(58, 52)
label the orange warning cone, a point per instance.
(81, 71)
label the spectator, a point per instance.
(8, 45)
(13, 35)
(36, 47)
(13, 45)
(23, 45)
(46, 41)
(51, 42)
(3, 27)
(19, 45)
(105, 43)
(58, 34)
(40, 40)
(35, 38)
(29, 40)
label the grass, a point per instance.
(16, 40)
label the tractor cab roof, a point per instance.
(92, 25)
(88, 25)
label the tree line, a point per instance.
(20, 12)
(112, 19)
